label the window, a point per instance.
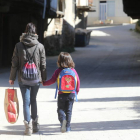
(110, 8)
(60, 5)
(103, 9)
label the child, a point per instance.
(65, 100)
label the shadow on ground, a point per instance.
(115, 99)
(86, 126)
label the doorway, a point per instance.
(103, 11)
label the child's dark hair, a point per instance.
(65, 60)
(30, 28)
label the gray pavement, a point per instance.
(109, 98)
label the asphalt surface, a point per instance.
(109, 98)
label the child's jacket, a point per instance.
(54, 79)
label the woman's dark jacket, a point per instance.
(20, 57)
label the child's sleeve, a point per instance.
(78, 82)
(52, 80)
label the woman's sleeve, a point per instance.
(43, 64)
(15, 65)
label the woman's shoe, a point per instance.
(35, 125)
(28, 128)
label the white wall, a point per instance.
(82, 2)
(120, 16)
(92, 16)
(70, 12)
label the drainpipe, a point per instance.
(41, 23)
(44, 9)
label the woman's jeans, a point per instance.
(29, 94)
(65, 104)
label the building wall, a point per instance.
(94, 16)
(120, 16)
(81, 20)
(60, 32)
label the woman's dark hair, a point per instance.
(65, 60)
(30, 28)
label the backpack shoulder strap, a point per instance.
(33, 52)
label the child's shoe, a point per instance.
(63, 126)
(68, 129)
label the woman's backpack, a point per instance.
(29, 74)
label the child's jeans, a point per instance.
(65, 104)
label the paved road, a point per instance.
(109, 99)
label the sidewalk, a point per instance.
(109, 99)
(102, 115)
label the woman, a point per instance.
(29, 45)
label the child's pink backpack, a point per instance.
(67, 82)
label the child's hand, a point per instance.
(43, 83)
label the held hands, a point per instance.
(43, 83)
(11, 82)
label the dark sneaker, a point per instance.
(68, 129)
(63, 126)
(35, 125)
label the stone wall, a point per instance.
(137, 27)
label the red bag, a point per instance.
(11, 105)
